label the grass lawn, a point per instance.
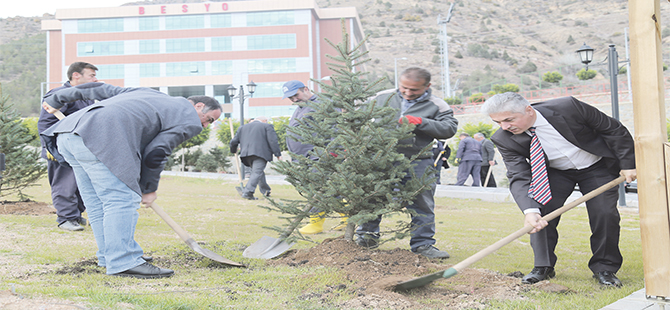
(212, 212)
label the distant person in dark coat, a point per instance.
(488, 159)
(258, 142)
(64, 193)
(118, 148)
(469, 160)
(441, 154)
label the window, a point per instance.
(100, 25)
(279, 65)
(185, 45)
(270, 18)
(275, 41)
(222, 67)
(186, 91)
(184, 22)
(100, 48)
(150, 46)
(221, 93)
(220, 20)
(222, 44)
(150, 70)
(185, 68)
(110, 72)
(268, 90)
(149, 23)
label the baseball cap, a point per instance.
(291, 87)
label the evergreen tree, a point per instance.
(23, 165)
(359, 171)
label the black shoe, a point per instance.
(607, 278)
(249, 196)
(430, 252)
(538, 274)
(368, 241)
(82, 221)
(267, 194)
(148, 259)
(71, 225)
(146, 271)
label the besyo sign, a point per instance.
(184, 8)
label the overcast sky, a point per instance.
(30, 8)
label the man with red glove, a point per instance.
(433, 119)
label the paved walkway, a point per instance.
(499, 194)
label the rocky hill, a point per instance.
(489, 41)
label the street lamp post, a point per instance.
(395, 63)
(586, 56)
(231, 92)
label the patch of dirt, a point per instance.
(376, 272)
(27, 207)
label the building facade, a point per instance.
(203, 48)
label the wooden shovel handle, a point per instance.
(59, 115)
(180, 231)
(526, 229)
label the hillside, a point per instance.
(490, 41)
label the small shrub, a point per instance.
(477, 98)
(552, 77)
(586, 74)
(509, 87)
(453, 101)
(528, 67)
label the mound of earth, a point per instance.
(376, 272)
(26, 207)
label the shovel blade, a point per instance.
(211, 255)
(266, 248)
(418, 282)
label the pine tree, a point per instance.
(359, 171)
(23, 165)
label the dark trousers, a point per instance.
(467, 168)
(257, 177)
(603, 218)
(492, 179)
(423, 223)
(64, 193)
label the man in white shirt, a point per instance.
(578, 144)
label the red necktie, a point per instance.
(539, 184)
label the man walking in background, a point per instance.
(258, 142)
(469, 160)
(64, 193)
(488, 155)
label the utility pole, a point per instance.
(446, 84)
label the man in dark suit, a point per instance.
(577, 144)
(258, 142)
(469, 159)
(488, 155)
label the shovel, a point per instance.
(268, 247)
(418, 282)
(189, 241)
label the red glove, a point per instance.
(333, 154)
(412, 119)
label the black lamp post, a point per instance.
(586, 56)
(231, 92)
